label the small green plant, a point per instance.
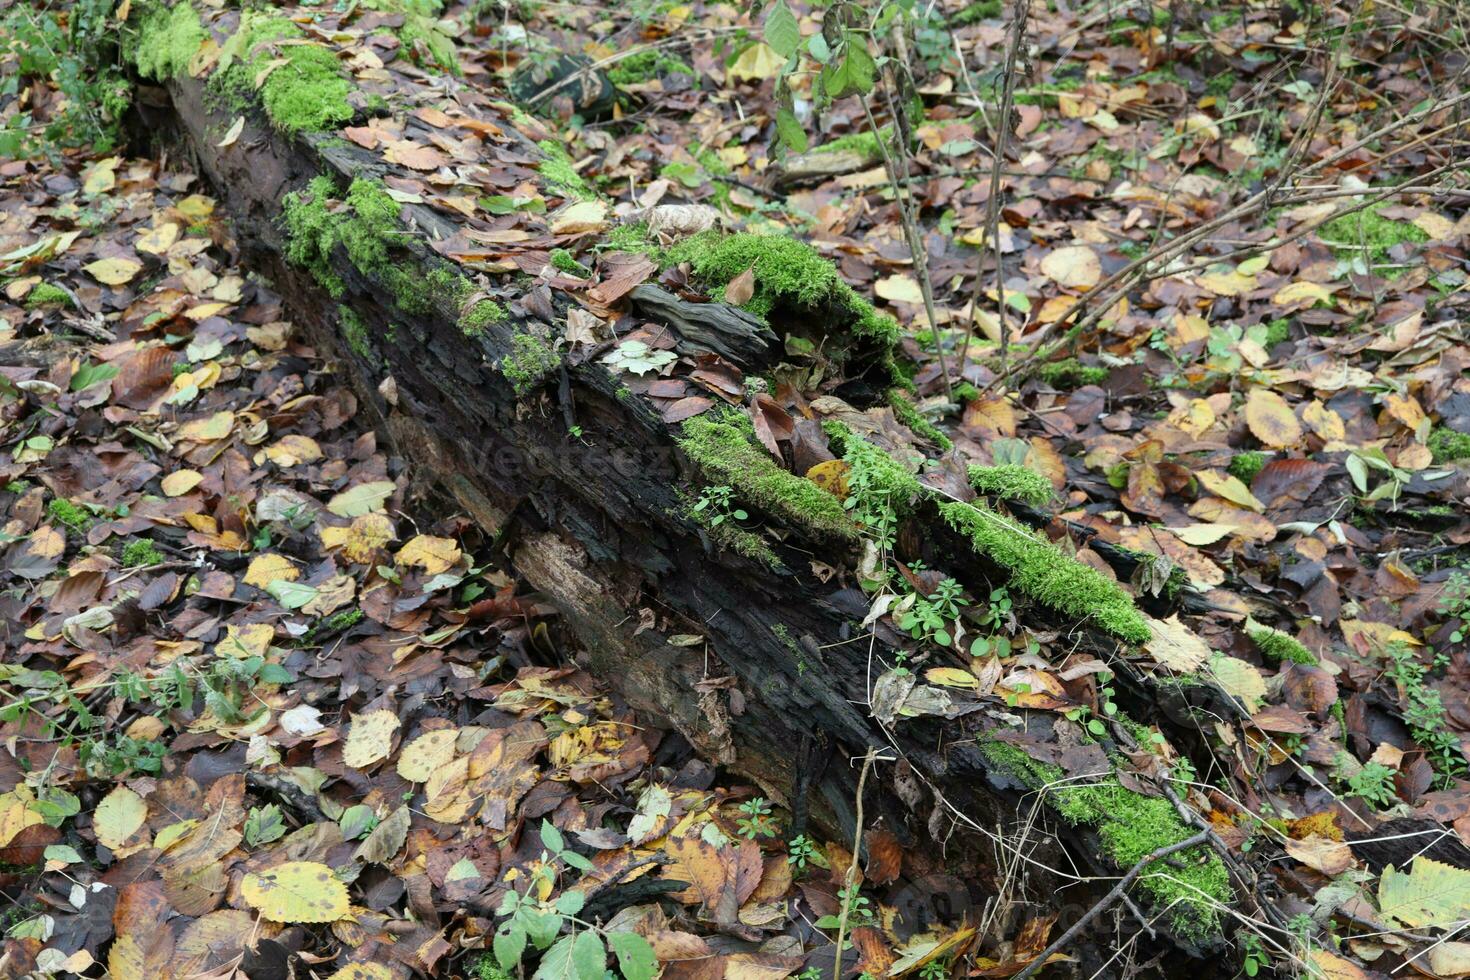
(755, 819)
(930, 617)
(716, 503)
(1253, 957)
(934, 970)
(636, 357)
(801, 850)
(1424, 712)
(264, 824)
(1373, 783)
(1454, 603)
(860, 911)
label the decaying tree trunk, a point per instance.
(588, 492)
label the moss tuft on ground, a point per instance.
(1071, 373)
(140, 552)
(1244, 466)
(168, 37)
(1350, 234)
(723, 448)
(45, 294)
(1012, 482)
(1278, 646)
(560, 176)
(530, 360)
(1040, 570)
(1447, 445)
(647, 65)
(69, 515)
(1132, 826)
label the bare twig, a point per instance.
(857, 842)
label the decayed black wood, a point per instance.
(596, 523)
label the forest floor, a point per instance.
(243, 642)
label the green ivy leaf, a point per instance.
(781, 30)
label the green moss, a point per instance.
(355, 333)
(722, 447)
(140, 552)
(1278, 646)
(168, 37)
(480, 316)
(306, 92)
(421, 33)
(1071, 373)
(978, 11)
(1447, 445)
(567, 262)
(906, 413)
(647, 65)
(1277, 331)
(1039, 569)
(530, 360)
(1244, 466)
(787, 273)
(633, 238)
(1350, 234)
(560, 175)
(864, 142)
(69, 515)
(729, 536)
(1132, 826)
(366, 226)
(486, 968)
(45, 294)
(1012, 482)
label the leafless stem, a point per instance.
(857, 842)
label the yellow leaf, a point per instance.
(1202, 534)
(1302, 294)
(157, 240)
(243, 642)
(1240, 679)
(297, 891)
(265, 569)
(294, 449)
(1231, 489)
(1073, 267)
(1431, 894)
(757, 62)
(196, 206)
(101, 177)
(581, 218)
(113, 272)
(217, 426)
(1330, 966)
(433, 555)
(1271, 420)
(952, 677)
(365, 498)
(370, 738)
(180, 482)
(363, 971)
(1436, 226)
(1230, 283)
(363, 539)
(899, 289)
(1176, 646)
(831, 476)
(1322, 854)
(118, 817)
(16, 813)
(426, 754)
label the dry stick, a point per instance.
(992, 206)
(1129, 275)
(1109, 899)
(857, 842)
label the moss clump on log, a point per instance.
(478, 318)
(1039, 569)
(365, 223)
(46, 294)
(1012, 482)
(787, 273)
(306, 92)
(906, 412)
(168, 38)
(722, 447)
(1132, 826)
(1277, 646)
(530, 360)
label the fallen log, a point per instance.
(754, 638)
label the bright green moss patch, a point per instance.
(864, 142)
(647, 65)
(305, 88)
(45, 294)
(633, 238)
(168, 37)
(723, 448)
(1071, 373)
(365, 224)
(787, 272)
(1447, 445)
(978, 11)
(1039, 569)
(1351, 234)
(567, 262)
(480, 316)
(906, 412)
(1277, 331)
(729, 536)
(1278, 646)
(140, 553)
(69, 515)
(1012, 482)
(559, 174)
(1132, 826)
(530, 360)
(1244, 466)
